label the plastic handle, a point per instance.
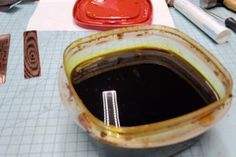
(231, 4)
(231, 23)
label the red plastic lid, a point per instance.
(106, 14)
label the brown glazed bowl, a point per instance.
(83, 54)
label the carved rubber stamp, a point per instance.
(31, 55)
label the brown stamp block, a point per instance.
(4, 50)
(31, 55)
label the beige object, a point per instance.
(231, 4)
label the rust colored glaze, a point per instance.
(103, 134)
(216, 72)
(31, 55)
(84, 122)
(207, 121)
(120, 35)
(4, 50)
(70, 97)
(139, 35)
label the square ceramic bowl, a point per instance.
(105, 51)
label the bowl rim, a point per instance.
(197, 114)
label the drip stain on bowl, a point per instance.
(149, 88)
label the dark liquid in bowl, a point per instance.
(146, 93)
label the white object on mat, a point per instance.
(57, 15)
(218, 32)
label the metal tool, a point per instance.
(202, 20)
(230, 22)
(230, 4)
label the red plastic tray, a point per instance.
(107, 14)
